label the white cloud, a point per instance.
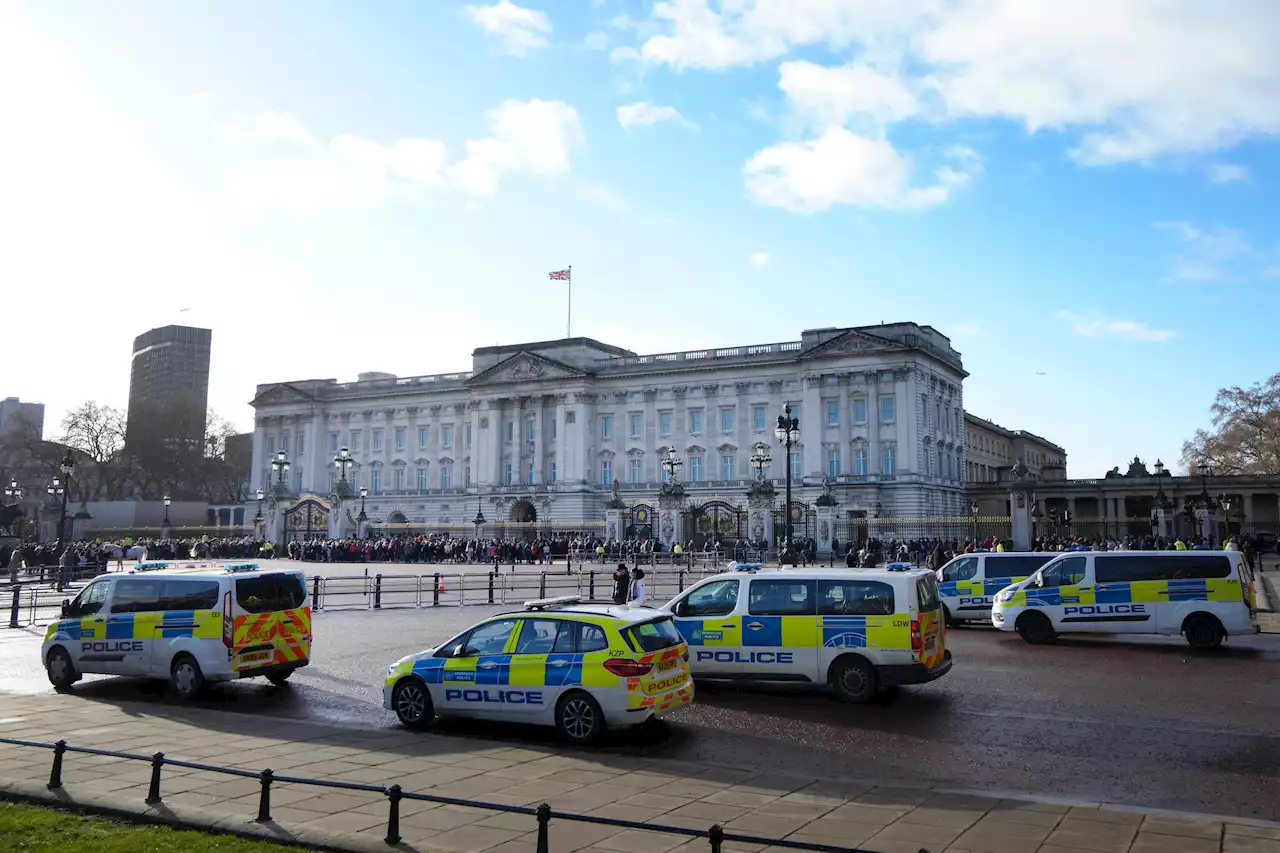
(834, 95)
(1228, 173)
(519, 31)
(1135, 79)
(1098, 327)
(760, 260)
(645, 113)
(527, 137)
(264, 127)
(349, 172)
(1205, 254)
(841, 167)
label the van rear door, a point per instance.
(272, 624)
(928, 623)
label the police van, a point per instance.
(969, 582)
(853, 632)
(1206, 596)
(579, 667)
(187, 627)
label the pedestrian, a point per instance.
(637, 587)
(621, 584)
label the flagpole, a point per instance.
(568, 321)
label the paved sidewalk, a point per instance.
(847, 812)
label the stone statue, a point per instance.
(616, 501)
(1019, 470)
(826, 498)
(9, 515)
(1114, 472)
(1137, 469)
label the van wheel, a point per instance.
(412, 702)
(853, 680)
(1035, 628)
(579, 719)
(185, 677)
(62, 672)
(280, 679)
(1204, 632)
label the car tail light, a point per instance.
(627, 668)
(917, 642)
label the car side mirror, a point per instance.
(460, 651)
(1040, 581)
(66, 608)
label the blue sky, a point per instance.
(1084, 191)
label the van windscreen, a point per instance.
(271, 593)
(927, 589)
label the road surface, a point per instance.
(1139, 721)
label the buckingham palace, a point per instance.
(540, 433)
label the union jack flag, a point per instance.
(560, 275)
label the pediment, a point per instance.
(728, 448)
(694, 448)
(854, 342)
(281, 394)
(525, 367)
(635, 451)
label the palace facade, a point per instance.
(540, 432)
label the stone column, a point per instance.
(826, 527)
(273, 522)
(539, 476)
(649, 467)
(613, 528)
(670, 526)
(760, 515)
(811, 427)
(1247, 498)
(497, 415)
(259, 462)
(742, 430)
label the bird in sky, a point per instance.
(1039, 373)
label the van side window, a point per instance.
(1155, 567)
(89, 601)
(270, 593)
(1068, 571)
(714, 599)
(189, 595)
(855, 598)
(136, 596)
(1020, 566)
(782, 598)
(961, 569)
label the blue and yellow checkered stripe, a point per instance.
(1132, 592)
(990, 586)
(722, 631)
(170, 624)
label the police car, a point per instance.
(190, 627)
(969, 582)
(1205, 596)
(579, 667)
(853, 632)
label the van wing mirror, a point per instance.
(460, 650)
(66, 608)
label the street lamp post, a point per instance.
(973, 516)
(257, 521)
(14, 493)
(787, 432)
(672, 465)
(343, 463)
(361, 518)
(760, 460)
(167, 501)
(61, 487)
(280, 465)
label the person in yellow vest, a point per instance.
(999, 547)
(1179, 545)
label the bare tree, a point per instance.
(97, 433)
(1245, 438)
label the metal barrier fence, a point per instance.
(440, 589)
(394, 794)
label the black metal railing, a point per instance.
(394, 794)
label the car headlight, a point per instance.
(1005, 597)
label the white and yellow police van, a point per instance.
(969, 582)
(189, 627)
(1206, 596)
(560, 662)
(854, 632)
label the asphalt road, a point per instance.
(1142, 722)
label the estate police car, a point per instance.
(579, 667)
(1204, 595)
(852, 631)
(185, 626)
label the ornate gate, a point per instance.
(715, 522)
(639, 522)
(307, 520)
(804, 523)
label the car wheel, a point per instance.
(185, 677)
(853, 680)
(579, 719)
(62, 672)
(1034, 628)
(280, 679)
(1204, 633)
(412, 702)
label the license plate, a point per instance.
(667, 665)
(254, 657)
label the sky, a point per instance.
(1080, 195)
